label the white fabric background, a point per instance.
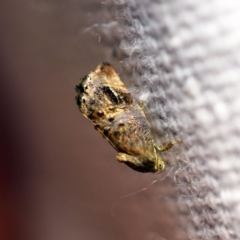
(184, 57)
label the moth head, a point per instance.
(80, 88)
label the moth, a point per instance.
(106, 102)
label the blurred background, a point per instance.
(59, 177)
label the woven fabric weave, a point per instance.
(184, 57)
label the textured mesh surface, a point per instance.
(184, 59)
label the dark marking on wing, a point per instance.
(111, 95)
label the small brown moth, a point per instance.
(107, 103)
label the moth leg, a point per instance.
(136, 164)
(167, 146)
(142, 105)
(139, 165)
(123, 157)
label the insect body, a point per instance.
(107, 103)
